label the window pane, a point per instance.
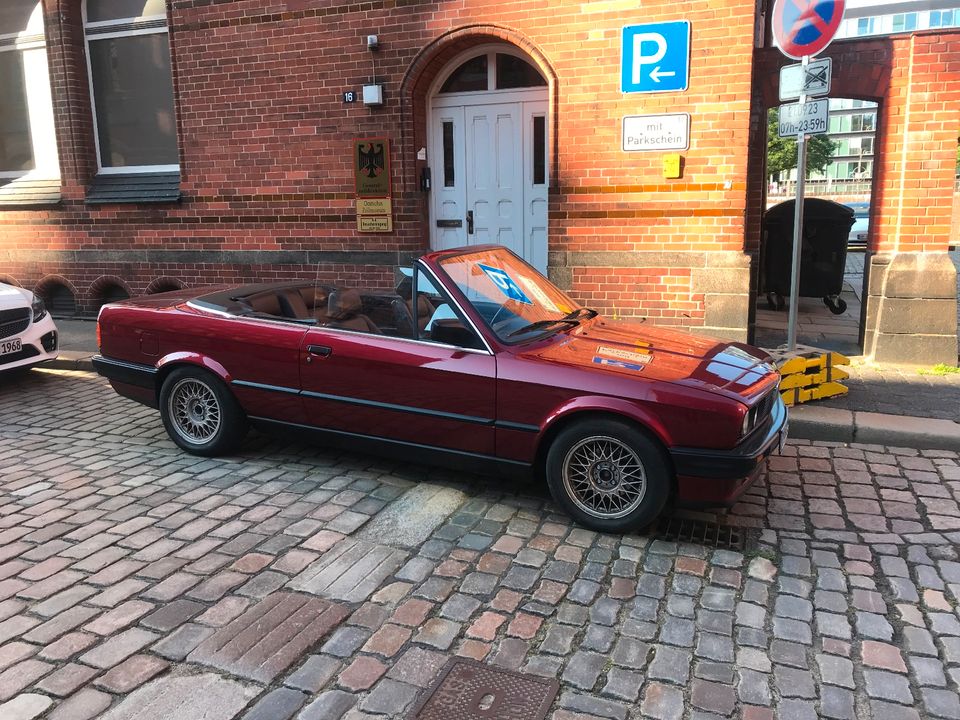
(133, 98)
(539, 150)
(16, 17)
(470, 76)
(449, 177)
(16, 148)
(512, 72)
(100, 10)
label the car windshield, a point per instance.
(516, 301)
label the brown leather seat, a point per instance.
(344, 310)
(424, 311)
(293, 305)
(266, 303)
(316, 299)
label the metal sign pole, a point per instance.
(797, 225)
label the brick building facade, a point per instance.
(261, 185)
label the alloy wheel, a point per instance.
(194, 411)
(604, 477)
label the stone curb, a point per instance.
(71, 360)
(831, 424)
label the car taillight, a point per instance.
(98, 336)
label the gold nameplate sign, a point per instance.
(374, 223)
(374, 206)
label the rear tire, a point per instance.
(200, 414)
(608, 475)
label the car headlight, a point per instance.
(39, 309)
(746, 424)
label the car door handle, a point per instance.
(321, 350)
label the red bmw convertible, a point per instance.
(475, 360)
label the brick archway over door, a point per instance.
(415, 88)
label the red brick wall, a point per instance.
(265, 140)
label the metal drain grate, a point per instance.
(468, 690)
(700, 532)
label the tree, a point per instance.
(782, 152)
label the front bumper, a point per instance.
(719, 477)
(40, 343)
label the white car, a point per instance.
(28, 334)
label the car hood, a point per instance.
(636, 350)
(14, 297)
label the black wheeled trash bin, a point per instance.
(823, 251)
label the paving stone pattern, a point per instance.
(137, 581)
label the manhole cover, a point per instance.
(700, 532)
(468, 690)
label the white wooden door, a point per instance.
(488, 165)
(448, 185)
(495, 174)
(535, 169)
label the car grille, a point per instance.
(13, 322)
(28, 351)
(760, 411)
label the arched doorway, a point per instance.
(487, 143)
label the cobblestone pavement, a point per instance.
(137, 581)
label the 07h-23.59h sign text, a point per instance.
(809, 118)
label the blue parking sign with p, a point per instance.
(506, 284)
(655, 57)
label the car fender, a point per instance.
(193, 358)
(610, 405)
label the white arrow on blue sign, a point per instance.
(655, 57)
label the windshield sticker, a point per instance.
(610, 352)
(617, 363)
(506, 284)
(538, 293)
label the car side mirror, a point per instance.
(452, 332)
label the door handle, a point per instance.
(469, 222)
(321, 350)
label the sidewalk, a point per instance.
(886, 405)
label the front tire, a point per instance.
(200, 414)
(608, 475)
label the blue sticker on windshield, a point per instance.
(506, 284)
(617, 363)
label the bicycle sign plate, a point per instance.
(809, 118)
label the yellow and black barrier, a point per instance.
(810, 374)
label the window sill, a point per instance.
(156, 187)
(29, 193)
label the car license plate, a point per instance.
(783, 438)
(10, 346)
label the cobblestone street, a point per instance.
(137, 581)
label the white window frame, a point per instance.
(43, 136)
(491, 50)
(126, 169)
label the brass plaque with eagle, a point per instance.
(371, 166)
